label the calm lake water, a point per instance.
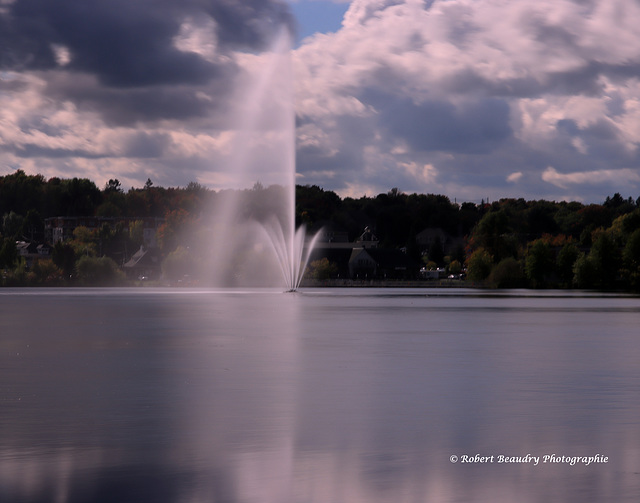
(324, 396)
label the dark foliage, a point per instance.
(528, 243)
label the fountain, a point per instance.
(252, 224)
(290, 252)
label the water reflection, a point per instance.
(195, 396)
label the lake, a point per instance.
(322, 396)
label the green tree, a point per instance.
(178, 264)
(84, 241)
(45, 272)
(8, 253)
(631, 259)
(564, 263)
(12, 225)
(607, 260)
(495, 234)
(80, 197)
(33, 226)
(18, 276)
(538, 263)
(170, 232)
(455, 267)
(436, 251)
(113, 185)
(506, 274)
(98, 271)
(20, 192)
(322, 269)
(64, 257)
(136, 233)
(479, 265)
(585, 272)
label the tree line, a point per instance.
(506, 243)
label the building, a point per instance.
(58, 229)
(144, 264)
(381, 263)
(363, 259)
(32, 251)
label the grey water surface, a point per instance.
(321, 396)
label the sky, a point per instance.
(473, 99)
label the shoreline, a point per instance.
(386, 283)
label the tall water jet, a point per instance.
(250, 224)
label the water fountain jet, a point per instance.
(263, 150)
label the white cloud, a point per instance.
(468, 96)
(424, 174)
(514, 177)
(620, 176)
(62, 54)
(199, 37)
(563, 69)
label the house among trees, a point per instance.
(504, 244)
(367, 239)
(363, 259)
(330, 238)
(144, 264)
(390, 263)
(32, 251)
(60, 229)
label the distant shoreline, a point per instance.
(386, 283)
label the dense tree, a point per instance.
(455, 267)
(539, 263)
(64, 257)
(12, 224)
(436, 252)
(33, 226)
(494, 233)
(507, 274)
(20, 193)
(565, 261)
(322, 269)
(8, 253)
(45, 272)
(585, 272)
(113, 185)
(173, 227)
(631, 258)
(607, 260)
(80, 197)
(178, 264)
(98, 271)
(548, 243)
(479, 265)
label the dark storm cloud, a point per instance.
(118, 106)
(128, 48)
(249, 22)
(32, 150)
(146, 145)
(477, 126)
(130, 43)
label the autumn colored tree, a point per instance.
(322, 269)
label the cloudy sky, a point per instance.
(473, 99)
